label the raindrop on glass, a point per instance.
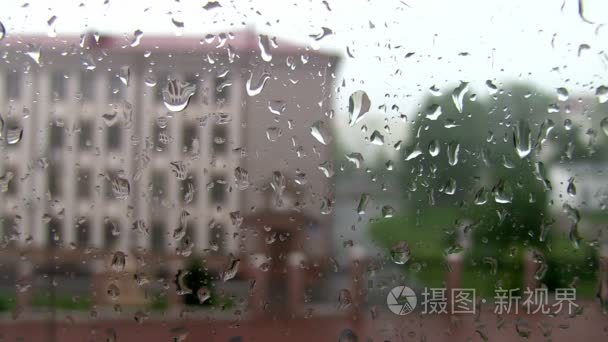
(254, 88)
(522, 138)
(453, 150)
(264, 45)
(400, 253)
(320, 132)
(358, 105)
(119, 260)
(458, 95)
(176, 94)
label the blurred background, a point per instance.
(259, 170)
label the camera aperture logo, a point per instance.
(401, 300)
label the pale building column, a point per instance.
(296, 282)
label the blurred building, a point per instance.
(97, 159)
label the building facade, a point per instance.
(159, 148)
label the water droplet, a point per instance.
(2, 31)
(388, 211)
(355, 158)
(140, 316)
(241, 178)
(179, 26)
(400, 253)
(433, 112)
(327, 168)
(458, 95)
(453, 149)
(492, 88)
(150, 80)
(125, 75)
(414, 153)
(602, 93)
(278, 184)
(119, 260)
(254, 89)
(110, 118)
(236, 218)
(571, 189)
(14, 135)
(176, 94)
(376, 138)
(276, 107)
(435, 91)
(182, 287)
(522, 138)
(522, 327)
(481, 197)
(345, 299)
(450, 187)
(264, 45)
(231, 269)
(137, 35)
(5, 179)
(273, 133)
(121, 187)
(320, 132)
(363, 201)
(51, 26)
(113, 291)
(324, 33)
(562, 94)
(335, 267)
(434, 148)
(604, 125)
(348, 335)
(33, 51)
(203, 294)
(502, 192)
(358, 105)
(179, 169)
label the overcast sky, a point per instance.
(535, 40)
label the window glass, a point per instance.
(58, 85)
(327, 170)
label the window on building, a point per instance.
(161, 138)
(159, 185)
(54, 232)
(56, 136)
(111, 231)
(85, 137)
(114, 137)
(54, 178)
(84, 183)
(188, 190)
(87, 86)
(59, 87)
(108, 192)
(13, 185)
(218, 190)
(10, 230)
(157, 237)
(190, 132)
(83, 232)
(217, 236)
(12, 85)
